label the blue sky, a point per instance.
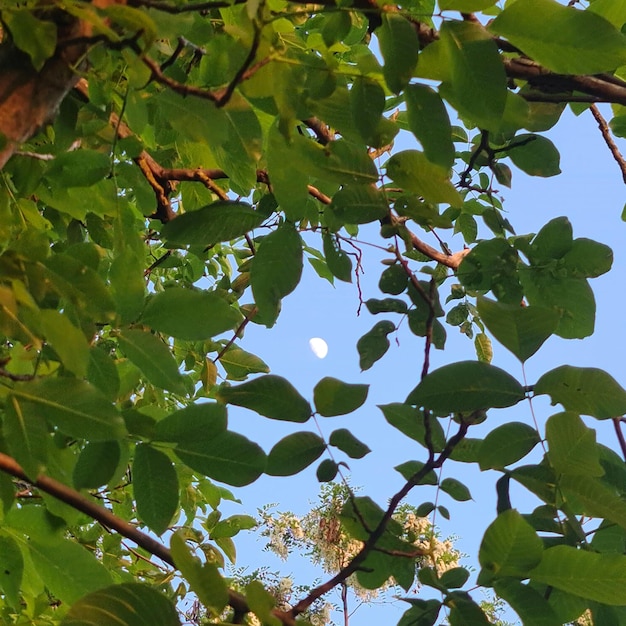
(591, 193)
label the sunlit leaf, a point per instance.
(585, 390)
(599, 577)
(522, 330)
(572, 446)
(68, 570)
(129, 604)
(563, 39)
(74, 406)
(510, 547)
(203, 578)
(190, 314)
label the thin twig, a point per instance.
(378, 532)
(608, 139)
(620, 435)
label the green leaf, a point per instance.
(531, 606)
(68, 341)
(572, 446)
(553, 241)
(367, 103)
(276, 270)
(386, 305)
(261, 602)
(232, 526)
(102, 373)
(128, 286)
(466, 6)
(510, 547)
(190, 314)
(535, 155)
(423, 613)
(239, 364)
(326, 471)
(410, 421)
(343, 439)
(79, 168)
(587, 258)
(483, 347)
(584, 390)
(155, 487)
(67, 569)
(360, 204)
(130, 604)
(289, 184)
(464, 611)
(220, 221)
(522, 330)
(493, 265)
(81, 285)
(153, 357)
(339, 161)
(454, 578)
(373, 345)
(333, 397)
(271, 396)
(294, 453)
(26, 434)
(11, 570)
(429, 122)
(411, 170)
(506, 445)
(393, 280)
(228, 457)
(455, 489)
(477, 83)
(338, 261)
(599, 577)
(398, 46)
(572, 298)
(409, 469)
(96, 464)
(596, 498)
(197, 422)
(203, 578)
(74, 406)
(466, 386)
(38, 38)
(563, 39)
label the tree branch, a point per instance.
(608, 139)
(377, 533)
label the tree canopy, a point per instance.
(167, 168)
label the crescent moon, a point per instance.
(318, 347)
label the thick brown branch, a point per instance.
(84, 505)
(103, 516)
(608, 139)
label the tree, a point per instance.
(167, 165)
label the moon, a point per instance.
(318, 347)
